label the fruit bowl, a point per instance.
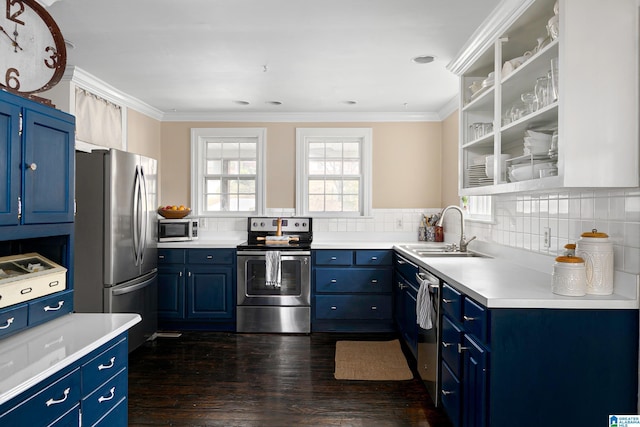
(173, 214)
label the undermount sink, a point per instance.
(423, 250)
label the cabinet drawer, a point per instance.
(451, 395)
(452, 303)
(118, 417)
(333, 257)
(104, 398)
(50, 307)
(47, 405)
(13, 319)
(352, 307)
(406, 268)
(476, 319)
(104, 366)
(452, 337)
(211, 256)
(70, 419)
(171, 256)
(374, 257)
(342, 280)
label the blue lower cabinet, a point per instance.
(45, 309)
(450, 395)
(91, 391)
(352, 291)
(13, 319)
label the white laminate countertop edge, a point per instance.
(39, 352)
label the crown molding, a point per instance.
(492, 28)
(87, 81)
(300, 117)
(449, 108)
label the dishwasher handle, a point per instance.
(433, 281)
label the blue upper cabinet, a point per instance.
(37, 163)
(10, 153)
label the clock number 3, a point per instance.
(12, 13)
(52, 60)
(11, 78)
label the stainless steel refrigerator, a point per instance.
(115, 238)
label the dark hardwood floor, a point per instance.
(226, 379)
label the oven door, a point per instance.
(295, 288)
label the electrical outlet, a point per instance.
(399, 224)
(547, 237)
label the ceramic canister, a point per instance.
(597, 251)
(569, 276)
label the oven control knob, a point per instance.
(262, 224)
(255, 224)
(304, 224)
(297, 224)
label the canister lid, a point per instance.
(569, 259)
(570, 246)
(595, 234)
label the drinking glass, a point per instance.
(553, 95)
(542, 99)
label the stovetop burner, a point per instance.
(268, 233)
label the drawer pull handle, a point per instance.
(334, 258)
(8, 323)
(333, 307)
(209, 256)
(401, 286)
(52, 401)
(334, 281)
(25, 291)
(446, 344)
(180, 274)
(107, 398)
(447, 392)
(447, 301)
(161, 256)
(374, 281)
(54, 283)
(401, 262)
(468, 318)
(112, 362)
(49, 308)
(461, 348)
(373, 307)
(374, 258)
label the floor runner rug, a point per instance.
(371, 360)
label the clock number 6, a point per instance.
(12, 79)
(14, 16)
(52, 60)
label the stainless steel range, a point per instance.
(274, 276)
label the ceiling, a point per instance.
(312, 56)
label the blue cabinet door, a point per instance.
(210, 292)
(48, 169)
(171, 292)
(474, 384)
(9, 161)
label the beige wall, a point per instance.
(406, 162)
(450, 160)
(143, 135)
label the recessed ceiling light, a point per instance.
(351, 102)
(242, 102)
(423, 59)
(274, 102)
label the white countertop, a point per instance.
(500, 283)
(510, 278)
(31, 356)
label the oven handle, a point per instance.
(282, 253)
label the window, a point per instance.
(479, 208)
(334, 171)
(228, 169)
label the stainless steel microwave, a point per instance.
(177, 230)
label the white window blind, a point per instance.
(98, 121)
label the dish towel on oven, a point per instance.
(424, 306)
(273, 274)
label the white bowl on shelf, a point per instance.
(488, 165)
(537, 135)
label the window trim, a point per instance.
(197, 171)
(302, 172)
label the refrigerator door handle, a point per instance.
(131, 288)
(144, 220)
(136, 216)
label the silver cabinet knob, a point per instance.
(33, 166)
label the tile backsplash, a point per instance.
(520, 221)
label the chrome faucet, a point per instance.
(463, 241)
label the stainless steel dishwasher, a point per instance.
(429, 339)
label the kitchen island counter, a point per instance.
(40, 352)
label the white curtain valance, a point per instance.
(98, 121)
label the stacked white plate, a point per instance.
(476, 176)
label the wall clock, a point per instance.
(33, 55)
